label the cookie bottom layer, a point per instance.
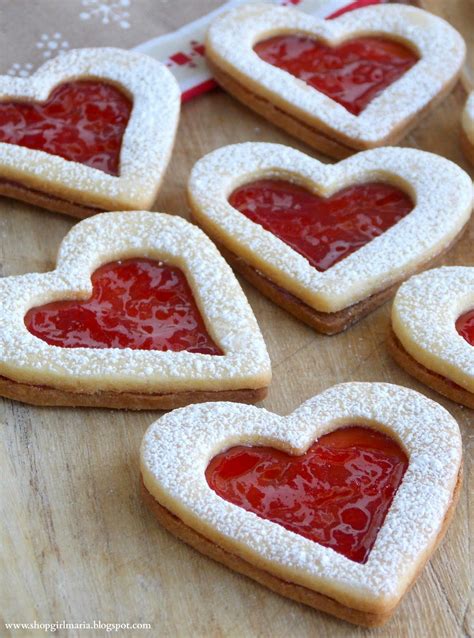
(328, 323)
(301, 594)
(49, 396)
(432, 379)
(334, 146)
(467, 147)
(15, 190)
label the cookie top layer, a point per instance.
(178, 447)
(146, 144)
(441, 49)
(441, 191)
(424, 315)
(121, 235)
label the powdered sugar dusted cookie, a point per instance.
(334, 83)
(433, 331)
(91, 130)
(329, 242)
(338, 505)
(467, 134)
(141, 312)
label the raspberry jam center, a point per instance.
(81, 121)
(465, 326)
(337, 494)
(324, 230)
(352, 74)
(136, 303)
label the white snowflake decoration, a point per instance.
(107, 11)
(20, 70)
(52, 44)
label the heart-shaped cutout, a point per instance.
(440, 191)
(82, 121)
(352, 74)
(324, 230)
(465, 326)
(337, 494)
(244, 44)
(159, 283)
(91, 130)
(136, 303)
(433, 330)
(178, 449)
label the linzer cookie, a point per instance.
(467, 132)
(338, 505)
(329, 242)
(359, 81)
(91, 130)
(141, 312)
(432, 333)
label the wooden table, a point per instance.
(78, 543)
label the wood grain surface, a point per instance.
(77, 542)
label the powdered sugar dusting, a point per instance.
(441, 190)
(424, 315)
(146, 144)
(178, 447)
(108, 237)
(232, 36)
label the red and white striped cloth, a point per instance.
(183, 50)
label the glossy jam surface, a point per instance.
(465, 326)
(81, 121)
(322, 230)
(352, 74)
(337, 494)
(136, 303)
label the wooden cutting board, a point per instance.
(78, 545)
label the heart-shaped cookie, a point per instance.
(467, 134)
(91, 130)
(312, 505)
(432, 334)
(141, 312)
(334, 83)
(329, 242)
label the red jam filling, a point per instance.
(81, 121)
(465, 326)
(324, 230)
(337, 494)
(352, 74)
(136, 303)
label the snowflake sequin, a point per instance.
(52, 45)
(107, 11)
